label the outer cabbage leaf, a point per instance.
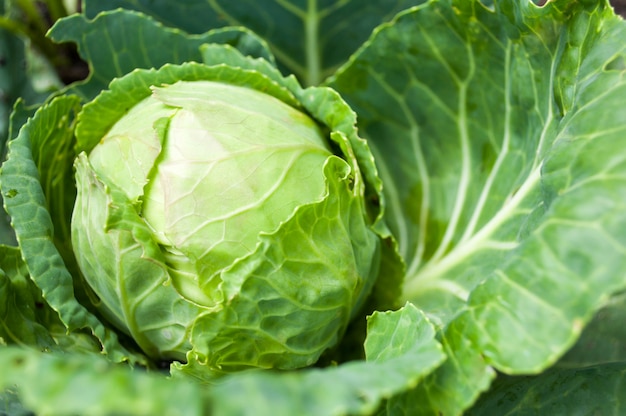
(116, 42)
(309, 38)
(26, 319)
(14, 84)
(23, 312)
(401, 348)
(34, 188)
(595, 390)
(498, 133)
(452, 387)
(62, 384)
(603, 340)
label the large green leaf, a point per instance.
(603, 340)
(401, 349)
(22, 309)
(26, 319)
(13, 84)
(589, 379)
(70, 384)
(452, 387)
(34, 188)
(116, 42)
(588, 391)
(499, 133)
(309, 38)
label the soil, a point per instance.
(619, 6)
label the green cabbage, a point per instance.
(216, 224)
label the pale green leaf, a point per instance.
(88, 385)
(65, 384)
(453, 386)
(498, 133)
(401, 350)
(132, 284)
(28, 202)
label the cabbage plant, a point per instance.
(320, 208)
(214, 220)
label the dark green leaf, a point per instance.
(597, 390)
(23, 311)
(309, 38)
(10, 404)
(603, 340)
(117, 42)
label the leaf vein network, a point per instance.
(404, 226)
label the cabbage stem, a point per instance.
(311, 27)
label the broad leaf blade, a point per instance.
(26, 199)
(603, 340)
(499, 138)
(461, 180)
(597, 390)
(116, 42)
(310, 39)
(89, 385)
(22, 309)
(401, 350)
(452, 387)
(573, 260)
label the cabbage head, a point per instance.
(225, 218)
